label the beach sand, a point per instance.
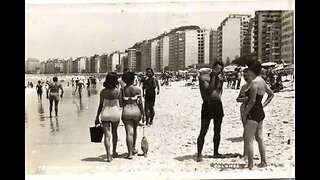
(173, 142)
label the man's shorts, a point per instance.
(212, 109)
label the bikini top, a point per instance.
(134, 98)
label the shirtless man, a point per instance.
(211, 89)
(53, 94)
(149, 93)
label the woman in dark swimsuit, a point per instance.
(253, 114)
(39, 90)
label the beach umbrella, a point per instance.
(268, 64)
(229, 68)
(279, 67)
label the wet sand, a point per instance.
(59, 146)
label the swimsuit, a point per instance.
(212, 109)
(256, 113)
(39, 89)
(110, 111)
(131, 109)
(54, 96)
(150, 95)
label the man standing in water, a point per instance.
(53, 94)
(211, 90)
(149, 93)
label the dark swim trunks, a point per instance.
(212, 109)
(150, 96)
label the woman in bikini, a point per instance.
(132, 111)
(110, 113)
(253, 114)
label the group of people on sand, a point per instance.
(252, 113)
(123, 99)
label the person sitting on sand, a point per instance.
(132, 111)
(53, 94)
(244, 99)
(253, 114)
(110, 113)
(211, 90)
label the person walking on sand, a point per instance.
(110, 113)
(79, 86)
(53, 94)
(149, 93)
(211, 89)
(132, 111)
(253, 114)
(39, 90)
(244, 100)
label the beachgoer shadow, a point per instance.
(123, 155)
(54, 126)
(186, 157)
(89, 91)
(94, 91)
(235, 139)
(103, 157)
(93, 159)
(40, 108)
(81, 105)
(223, 156)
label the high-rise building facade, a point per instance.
(267, 36)
(213, 47)
(132, 60)
(43, 67)
(115, 61)
(233, 37)
(103, 63)
(287, 36)
(162, 54)
(145, 49)
(229, 39)
(203, 46)
(250, 35)
(32, 65)
(176, 50)
(245, 35)
(138, 61)
(153, 54)
(191, 45)
(183, 49)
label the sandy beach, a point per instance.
(61, 146)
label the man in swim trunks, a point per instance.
(149, 93)
(211, 89)
(53, 94)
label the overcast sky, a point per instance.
(71, 30)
